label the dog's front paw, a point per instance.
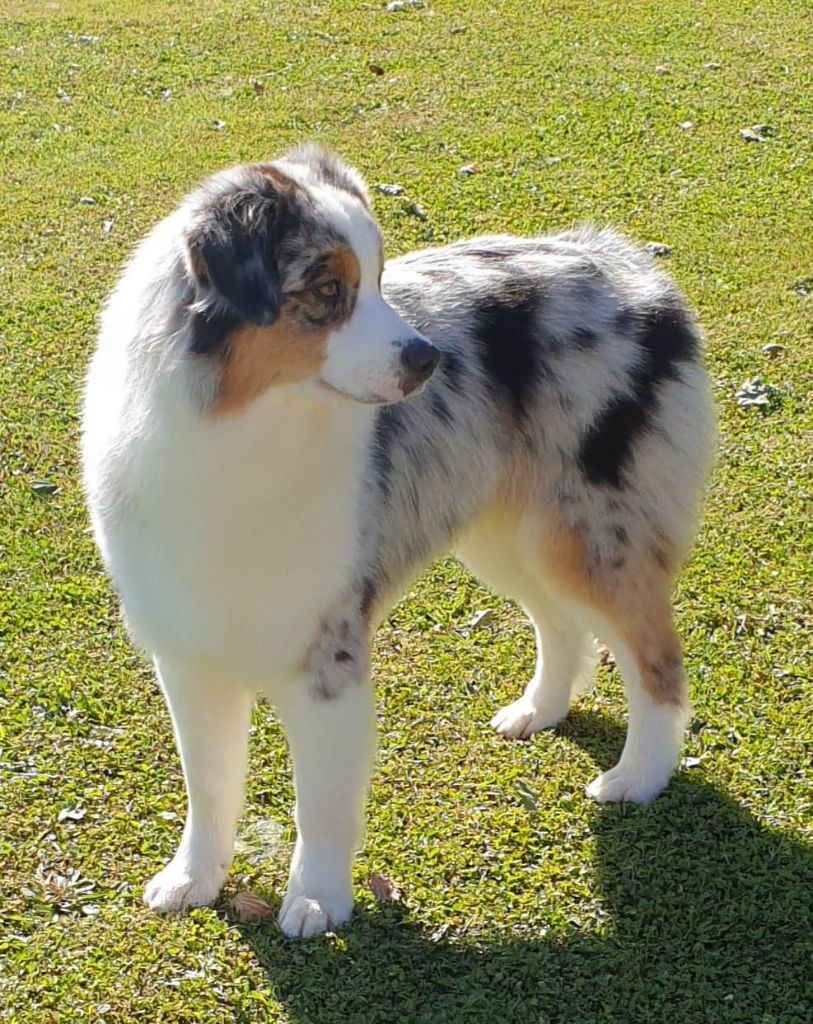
(520, 720)
(177, 887)
(634, 786)
(303, 916)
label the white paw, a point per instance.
(176, 888)
(301, 916)
(520, 720)
(634, 786)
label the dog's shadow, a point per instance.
(709, 919)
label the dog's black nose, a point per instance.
(419, 360)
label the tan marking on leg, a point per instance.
(635, 598)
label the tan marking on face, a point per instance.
(343, 264)
(290, 350)
(260, 357)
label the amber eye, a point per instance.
(328, 289)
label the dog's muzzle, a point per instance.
(418, 362)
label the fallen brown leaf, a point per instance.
(384, 889)
(247, 907)
(605, 655)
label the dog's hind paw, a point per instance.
(302, 917)
(520, 720)
(620, 783)
(177, 888)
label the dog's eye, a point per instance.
(329, 289)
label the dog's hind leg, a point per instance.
(649, 656)
(565, 665)
(210, 717)
(565, 655)
(329, 721)
(626, 602)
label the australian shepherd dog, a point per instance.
(281, 430)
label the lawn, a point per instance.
(520, 899)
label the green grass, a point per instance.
(522, 901)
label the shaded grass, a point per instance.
(541, 907)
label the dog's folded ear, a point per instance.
(231, 255)
(326, 166)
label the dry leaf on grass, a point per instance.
(414, 210)
(755, 394)
(384, 889)
(247, 907)
(605, 655)
(71, 814)
(756, 133)
(481, 618)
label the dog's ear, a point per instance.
(330, 168)
(232, 255)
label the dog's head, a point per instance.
(284, 262)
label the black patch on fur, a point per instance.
(233, 248)
(620, 534)
(388, 427)
(337, 658)
(209, 331)
(440, 408)
(605, 449)
(666, 339)
(507, 333)
(368, 593)
(624, 320)
(500, 253)
(451, 366)
(585, 338)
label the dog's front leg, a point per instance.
(210, 716)
(330, 724)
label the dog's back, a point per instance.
(571, 380)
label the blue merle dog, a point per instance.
(281, 431)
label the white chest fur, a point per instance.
(230, 537)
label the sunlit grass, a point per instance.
(522, 901)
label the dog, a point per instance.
(281, 430)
